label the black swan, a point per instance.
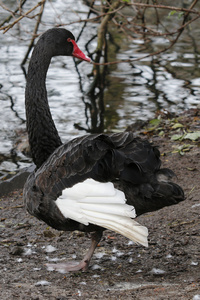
(94, 182)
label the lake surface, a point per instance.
(133, 90)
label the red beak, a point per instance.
(77, 52)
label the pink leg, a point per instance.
(84, 263)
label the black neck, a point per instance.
(43, 135)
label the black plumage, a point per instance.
(131, 164)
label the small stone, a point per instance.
(16, 250)
(49, 234)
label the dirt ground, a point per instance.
(168, 269)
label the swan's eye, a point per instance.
(77, 52)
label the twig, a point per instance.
(6, 28)
(112, 10)
(12, 14)
(190, 10)
(156, 52)
(85, 23)
(156, 33)
(191, 191)
(92, 19)
(34, 33)
(13, 207)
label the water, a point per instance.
(133, 90)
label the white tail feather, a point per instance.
(103, 205)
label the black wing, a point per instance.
(132, 164)
(101, 157)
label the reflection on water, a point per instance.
(130, 91)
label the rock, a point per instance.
(15, 182)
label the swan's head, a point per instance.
(59, 41)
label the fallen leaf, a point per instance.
(177, 125)
(161, 133)
(177, 137)
(192, 136)
(154, 122)
(191, 169)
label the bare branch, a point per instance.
(101, 31)
(34, 33)
(151, 54)
(12, 14)
(7, 27)
(113, 10)
(190, 10)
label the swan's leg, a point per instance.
(84, 263)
